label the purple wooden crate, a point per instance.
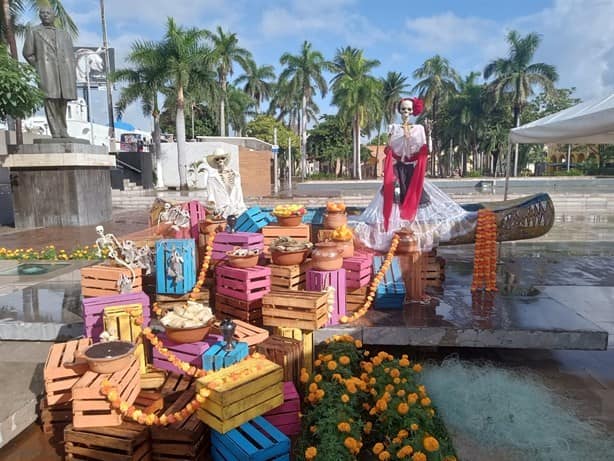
(321, 280)
(226, 241)
(191, 353)
(286, 417)
(93, 310)
(243, 284)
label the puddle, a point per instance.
(32, 269)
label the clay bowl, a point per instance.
(242, 262)
(188, 335)
(108, 357)
(289, 221)
(289, 258)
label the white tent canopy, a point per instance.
(589, 122)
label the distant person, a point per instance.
(50, 51)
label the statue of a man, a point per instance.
(50, 51)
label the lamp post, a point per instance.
(107, 65)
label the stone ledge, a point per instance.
(57, 148)
(58, 160)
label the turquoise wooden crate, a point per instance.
(215, 358)
(175, 266)
(390, 292)
(253, 219)
(256, 440)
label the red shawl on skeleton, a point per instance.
(409, 207)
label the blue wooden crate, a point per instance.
(166, 281)
(256, 440)
(390, 292)
(314, 216)
(253, 219)
(215, 358)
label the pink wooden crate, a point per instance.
(321, 280)
(358, 270)
(93, 309)
(191, 353)
(286, 417)
(226, 241)
(244, 284)
(197, 213)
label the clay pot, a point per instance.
(208, 226)
(289, 221)
(347, 246)
(327, 256)
(107, 357)
(407, 242)
(242, 262)
(289, 258)
(188, 335)
(334, 219)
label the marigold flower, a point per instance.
(332, 365)
(317, 362)
(317, 378)
(418, 456)
(351, 444)
(401, 393)
(405, 452)
(368, 427)
(384, 456)
(417, 368)
(412, 398)
(378, 448)
(402, 408)
(381, 405)
(395, 373)
(320, 393)
(313, 387)
(344, 360)
(313, 429)
(414, 427)
(311, 452)
(430, 443)
(304, 376)
(376, 361)
(425, 402)
(403, 434)
(345, 398)
(344, 427)
(358, 343)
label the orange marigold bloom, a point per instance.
(344, 427)
(403, 408)
(332, 365)
(402, 434)
(401, 393)
(397, 381)
(417, 368)
(395, 373)
(345, 398)
(358, 343)
(378, 448)
(414, 427)
(404, 363)
(311, 452)
(313, 387)
(320, 393)
(344, 360)
(317, 363)
(351, 387)
(405, 452)
(337, 377)
(351, 444)
(412, 398)
(418, 456)
(376, 360)
(384, 456)
(317, 378)
(425, 402)
(430, 443)
(368, 427)
(381, 405)
(422, 389)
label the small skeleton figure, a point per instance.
(108, 241)
(124, 284)
(129, 252)
(181, 220)
(164, 215)
(144, 259)
(175, 267)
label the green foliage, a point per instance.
(262, 127)
(19, 95)
(51, 253)
(379, 140)
(571, 172)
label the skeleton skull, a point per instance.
(100, 230)
(406, 108)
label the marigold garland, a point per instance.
(374, 283)
(485, 259)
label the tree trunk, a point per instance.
(303, 134)
(516, 124)
(357, 169)
(181, 144)
(10, 38)
(223, 107)
(156, 144)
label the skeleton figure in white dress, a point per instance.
(224, 185)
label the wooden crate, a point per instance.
(253, 219)
(286, 417)
(126, 442)
(256, 440)
(54, 418)
(165, 249)
(248, 311)
(433, 272)
(116, 319)
(358, 270)
(355, 299)
(244, 284)
(149, 401)
(322, 280)
(390, 293)
(306, 339)
(226, 241)
(307, 310)
(216, 357)
(289, 277)
(286, 352)
(152, 378)
(197, 213)
(246, 333)
(325, 234)
(240, 393)
(302, 233)
(191, 353)
(175, 384)
(91, 408)
(102, 280)
(93, 310)
(60, 379)
(188, 439)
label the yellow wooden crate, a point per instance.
(240, 393)
(117, 319)
(306, 337)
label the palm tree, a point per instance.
(257, 80)
(240, 105)
(438, 81)
(517, 76)
(184, 59)
(226, 51)
(303, 74)
(356, 93)
(393, 89)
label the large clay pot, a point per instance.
(208, 226)
(242, 262)
(334, 219)
(347, 246)
(289, 221)
(188, 335)
(107, 357)
(326, 256)
(407, 242)
(289, 258)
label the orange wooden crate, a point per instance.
(188, 439)
(246, 333)
(126, 442)
(355, 299)
(247, 311)
(55, 418)
(286, 352)
(433, 271)
(307, 310)
(301, 233)
(91, 408)
(101, 280)
(59, 379)
(289, 277)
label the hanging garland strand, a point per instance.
(485, 258)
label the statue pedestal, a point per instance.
(61, 184)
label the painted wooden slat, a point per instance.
(165, 284)
(321, 280)
(216, 357)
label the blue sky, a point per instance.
(577, 35)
